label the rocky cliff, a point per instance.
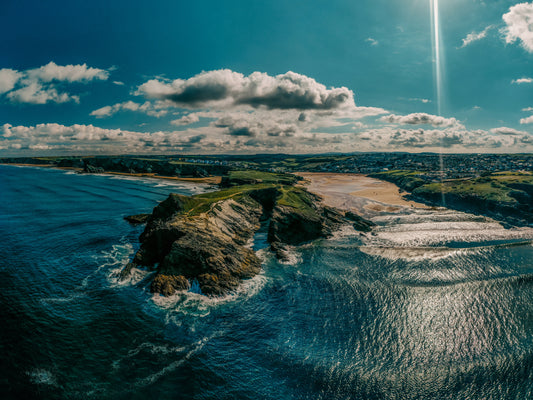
(205, 238)
(504, 196)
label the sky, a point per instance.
(273, 76)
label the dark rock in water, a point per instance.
(137, 219)
(92, 169)
(359, 223)
(281, 251)
(167, 285)
(205, 238)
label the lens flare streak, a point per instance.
(437, 54)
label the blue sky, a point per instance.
(143, 77)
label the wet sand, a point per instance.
(347, 190)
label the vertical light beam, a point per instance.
(435, 27)
(437, 70)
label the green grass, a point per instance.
(405, 179)
(241, 177)
(201, 203)
(287, 195)
(496, 187)
(297, 198)
(484, 190)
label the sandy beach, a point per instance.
(347, 190)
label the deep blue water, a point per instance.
(394, 315)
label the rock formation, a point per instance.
(205, 238)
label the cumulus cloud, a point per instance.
(522, 80)
(226, 88)
(8, 79)
(40, 85)
(89, 138)
(35, 93)
(420, 119)
(154, 110)
(528, 120)
(506, 131)
(372, 41)
(519, 25)
(243, 132)
(420, 138)
(67, 73)
(250, 125)
(475, 36)
(527, 109)
(453, 139)
(186, 120)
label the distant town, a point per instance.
(447, 166)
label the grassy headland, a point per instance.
(500, 194)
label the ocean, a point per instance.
(434, 304)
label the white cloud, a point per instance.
(105, 111)
(475, 36)
(248, 133)
(35, 93)
(528, 120)
(519, 25)
(119, 83)
(506, 131)
(186, 119)
(425, 101)
(522, 80)
(89, 139)
(8, 79)
(152, 109)
(420, 119)
(373, 42)
(67, 73)
(527, 109)
(225, 88)
(39, 85)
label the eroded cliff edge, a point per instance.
(206, 238)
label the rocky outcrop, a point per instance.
(359, 223)
(91, 169)
(137, 219)
(206, 238)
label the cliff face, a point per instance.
(209, 247)
(205, 237)
(505, 196)
(159, 167)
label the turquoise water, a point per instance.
(393, 315)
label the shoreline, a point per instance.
(211, 180)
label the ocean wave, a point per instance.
(293, 257)
(150, 348)
(440, 233)
(411, 253)
(41, 376)
(192, 350)
(67, 299)
(114, 261)
(198, 305)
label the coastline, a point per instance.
(211, 180)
